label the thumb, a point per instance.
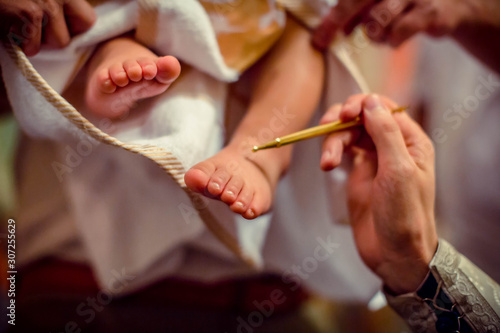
(384, 131)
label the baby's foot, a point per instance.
(117, 84)
(245, 185)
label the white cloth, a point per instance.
(130, 215)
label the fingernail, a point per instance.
(373, 104)
(327, 156)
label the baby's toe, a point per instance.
(250, 214)
(148, 66)
(104, 83)
(256, 208)
(133, 70)
(232, 190)
(241, 204)
(118, 75)
(197, 177)
(168, 69)
(218, 182)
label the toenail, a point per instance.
(239, 204)
(230, 193)
(250, 213)
(215, 186)
(169, 81)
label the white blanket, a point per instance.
(133, 214)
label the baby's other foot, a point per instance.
(115, 87)
(235, 180)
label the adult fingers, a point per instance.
(330, 146)
(333, 148)
(403, 28)
(359, 193)
(410, 129)
(379, 19)
(419, 145)
(385, 132)
(332, 114)
(334, 144)
(56, 32)
(354, 105)
(80, 16)
(29, 29)
(339, 17)
(9, 16)
(351, 108)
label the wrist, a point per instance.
(404, 280)
(405, 272)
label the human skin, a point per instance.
(391, 189)
(475, 24)
(31, 23)
(289, 79)
(121, 72)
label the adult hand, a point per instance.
(390, 189)
(31, 23)
(394, 21)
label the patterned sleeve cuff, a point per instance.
(451, 298)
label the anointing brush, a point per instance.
(316, 131)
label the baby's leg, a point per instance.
(286, 92)
(121, 72)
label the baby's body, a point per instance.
(290, 77)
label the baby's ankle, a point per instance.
(272, 163)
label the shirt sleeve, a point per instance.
(471, 294)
